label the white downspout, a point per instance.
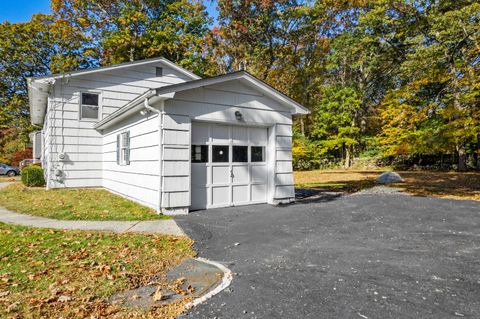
(160, 145)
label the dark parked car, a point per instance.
(9, 170)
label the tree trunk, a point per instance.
(348, 151)
(458, 107)
(302, 126)
(461, 158)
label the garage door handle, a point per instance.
(231, 173)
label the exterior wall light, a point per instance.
(238, 116)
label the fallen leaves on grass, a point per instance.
(455, 185)
(53, 273)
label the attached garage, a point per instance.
(229, 165)
(218, 142)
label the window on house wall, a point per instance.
(123, 148)
(89, 105)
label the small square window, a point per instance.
(220, 153)
(159, 71)
(257, 154)
(240, 154)
(89, 106)
(199, 153)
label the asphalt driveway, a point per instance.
(360, 256)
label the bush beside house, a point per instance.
(33, 176)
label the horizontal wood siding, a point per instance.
(91, 159)
(218, 104)
(283, 162)
(140, 180)
(176, 161)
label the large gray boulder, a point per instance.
(389, 177)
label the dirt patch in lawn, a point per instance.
(455, 185)
(74, 204)
(71, 274)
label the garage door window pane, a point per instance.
(199, 153)
(220, 153)
(240, 153)
(258, 154)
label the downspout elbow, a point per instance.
(147, 105)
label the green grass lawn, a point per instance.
(53, 274)
(456, 185)
(73, 204)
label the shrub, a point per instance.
(32, 175)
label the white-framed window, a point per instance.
(123, 148)
(89, 105)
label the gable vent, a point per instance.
(159, 71)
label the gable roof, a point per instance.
(120, 66)
(39, 87)
(167, 92)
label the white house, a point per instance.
(160, 135)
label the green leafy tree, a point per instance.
(139, 29)
(435, 109)
(335, 125)
(37, 47)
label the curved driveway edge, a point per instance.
(162, 227)
(226, 280)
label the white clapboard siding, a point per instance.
(218, 104)
(284, 155)
(284, 142)
(231, 98)
(88, 151)
(284, 179)
(176, 199)
(176, 168)
(176, 163)
(141, 168)
(76, 140)
(283, 167)
(282, 192)
(225, 113)
(143, 196)
(77, 182)
(140, 179)
(176, 153)
(77, 165)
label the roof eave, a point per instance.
(120, 66)
(130, 108)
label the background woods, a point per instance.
(396, 81)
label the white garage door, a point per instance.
(229, 165)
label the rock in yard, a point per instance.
(389, 177)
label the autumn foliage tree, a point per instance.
(400, 77)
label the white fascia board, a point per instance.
(276, 95)
(136, 105)
(266, 89)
